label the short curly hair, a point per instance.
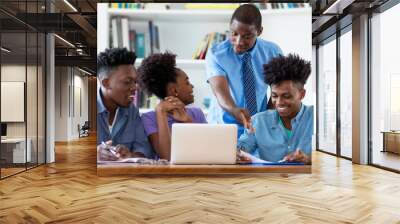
(290, 67)
(156, 71)
(110, 59)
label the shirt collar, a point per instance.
(101, 108)
(252, 51)
(275, 122)
(299, 114)
(100, 105)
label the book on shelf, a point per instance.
(119, 32)
(125, 33)
(140, 45)
(114, 34)
(211, 6)
(233, 6)
(125, 5)
(140, 37)
(280, 5)
(135, 6)
(207, 43)
(201, 6)
(154, 42)
(144, 100)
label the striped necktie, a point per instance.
(249, 84)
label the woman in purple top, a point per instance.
(159, 75)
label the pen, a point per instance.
(109, 148)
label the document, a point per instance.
(139, 160)
(253, 159)
(258, 161)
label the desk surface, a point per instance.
(13, 140)
(390, 132)
(113, 169)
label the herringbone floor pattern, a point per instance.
(69, 191)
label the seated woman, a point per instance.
(159, 75)
(284, 133)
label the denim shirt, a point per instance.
(127, 129)
(270, 139)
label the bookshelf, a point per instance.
(199, 15)
(182, 30)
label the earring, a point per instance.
(176, 94)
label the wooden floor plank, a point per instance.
(69, 191)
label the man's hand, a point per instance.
(297, 156)
(242, 115)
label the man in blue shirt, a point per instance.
(118, 120)
(285, 133)
(234, 70)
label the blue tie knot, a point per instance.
(246, 56)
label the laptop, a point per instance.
(203, 143)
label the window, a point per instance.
(327, 97)
(346, 94)
(22, 74)
(385, 89)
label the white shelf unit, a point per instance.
(292, 18)
(181, 31)
(197, 15)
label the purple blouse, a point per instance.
(149, 119)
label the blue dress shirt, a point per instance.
(270, 139)
(221, 60)
(127, 129)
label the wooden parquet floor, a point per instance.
(69, 191)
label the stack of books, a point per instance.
(281, 5)
(126, 5)
(206, 44)
(143, 39)
(139, 6)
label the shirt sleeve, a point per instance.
(150, 123)
(213, 67)
(247, 142)
(200, 118)
(141, 143)
(276, 50)
(305, 140)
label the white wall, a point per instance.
(17, 73)
(70, 84)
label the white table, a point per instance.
(18, 151)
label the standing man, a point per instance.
(118, 120)
(235, 70)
